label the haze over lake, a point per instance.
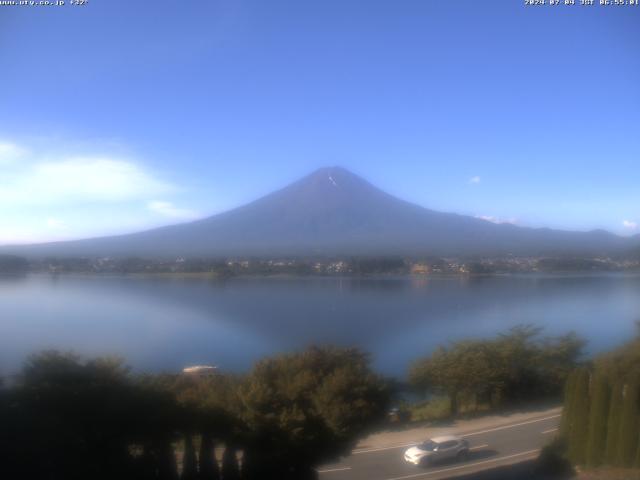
(165, 324)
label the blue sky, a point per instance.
(121, 115)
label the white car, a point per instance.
(437, 449)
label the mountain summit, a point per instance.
(335, 212)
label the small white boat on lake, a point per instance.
(201, 370)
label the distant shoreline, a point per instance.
(218, 276)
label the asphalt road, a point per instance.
(490, 448)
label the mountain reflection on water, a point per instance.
(164, 324)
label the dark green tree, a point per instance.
(567, 410)
(73, 419)
(208, 463)
(579, 426)
(189, 461)
(167, 468)
(600, 396)
(613, 423)
(629, 424)
(622, 364)
(555, 359)
(463, 369)
(306, 408)
(552, 462)
(230, 468)
(519, 365)
(211, 403)
(516, 367)
(252, 465)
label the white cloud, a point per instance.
(167, 209)
(60, 196)
(475, 180)
(630, 225)
(492, 219)
(55, 224)
(78, 179)
(10, 152)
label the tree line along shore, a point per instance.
(304, 266)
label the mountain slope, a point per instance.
(334, 212)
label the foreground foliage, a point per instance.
(601, 418)
(65, 418)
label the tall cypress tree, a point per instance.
(209, 469)
(613, 424)
(567, 411)
(252, 464)
(189, 463)
(598, 413)
(230, 468)
(628, 433)
(167, 469)
(579, 426)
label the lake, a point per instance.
(166, 324)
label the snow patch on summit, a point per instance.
(333, 181)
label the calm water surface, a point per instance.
(165, 324)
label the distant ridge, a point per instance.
(335, 212)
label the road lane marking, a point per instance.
(510, 426)
(484, 462)
(334, 470)
(370, 450)
(550, 430)
(478, 447)
(380, 449)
